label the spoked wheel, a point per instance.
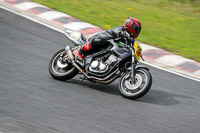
(60, 68)
(137, 89)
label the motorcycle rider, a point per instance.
(130, 29)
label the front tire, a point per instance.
(136, 90)
(60, 68)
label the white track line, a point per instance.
(170, 71)
(32, 19)
(198, 80)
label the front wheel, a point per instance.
(137, 89)
(60, 68)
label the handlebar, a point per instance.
(129, 39)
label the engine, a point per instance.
(100, 66)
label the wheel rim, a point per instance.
(129, 88)
(59, 66)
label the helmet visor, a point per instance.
(136, 32)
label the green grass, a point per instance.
(173, 25)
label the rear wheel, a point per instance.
(137, 89)
(60, 68)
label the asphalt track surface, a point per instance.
(32, 102)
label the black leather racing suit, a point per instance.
(99, 39)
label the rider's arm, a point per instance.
(119, 32)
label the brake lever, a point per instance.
(142, 57)
(132, 39)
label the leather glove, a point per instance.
(125, 34)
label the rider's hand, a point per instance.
(125, 34)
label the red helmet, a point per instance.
(133, 26)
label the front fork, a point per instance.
(133, 65)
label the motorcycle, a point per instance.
(118, 58)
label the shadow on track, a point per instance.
(157, 97)
(162, 98)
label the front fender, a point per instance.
(141, 66)
(138, 67)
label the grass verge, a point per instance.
(173, 25)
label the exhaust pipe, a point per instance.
(69, 53)
(71, 58)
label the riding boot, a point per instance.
(82, 49)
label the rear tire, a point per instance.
(139, 88)
(59, 69)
